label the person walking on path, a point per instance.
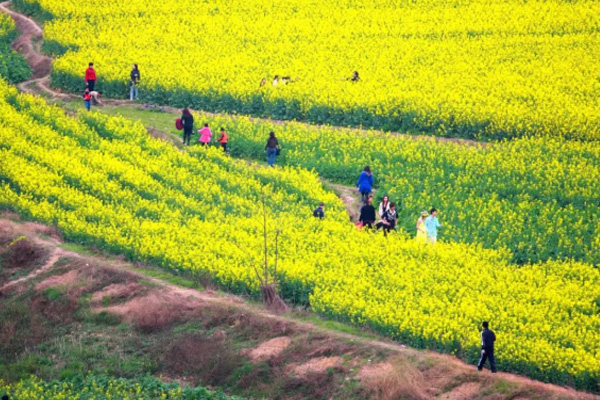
(388, 220)
(319, 212)
(271, 149)
(205, 135)
(487, 347)
(421, 229)
(135, 80)
(432, 224)
(223, 139)
(365, 184)
(90, 77)
(187, 119)
(367, 213)
(87, 99)
(384, 205)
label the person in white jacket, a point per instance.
(384, 205)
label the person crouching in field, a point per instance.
(365, 184)
(205, 135)
(488, 337)
(187, 119)
(388, 220)
(87, 99)
(367, 213)
(223, 139)
(319, 211)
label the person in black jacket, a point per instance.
(487, 347)
(367, 213)
(271, 148)
(187, 119)
(319, 212)
(135, 80)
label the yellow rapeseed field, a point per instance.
(103, 181)
(468, 68)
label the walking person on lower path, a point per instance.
(87, 99)
(421, 229)
(223, 139)
(432, 224)
(135, 77)
(319, 211)
(205, 135)
(90, 77)
(488, 337)
(187, 119)
(271, 149)
(365, 184)
(367, 213)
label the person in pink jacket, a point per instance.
(205, 135)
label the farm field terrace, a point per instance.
(104, 182)
(488, 69)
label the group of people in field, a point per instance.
(91, 96)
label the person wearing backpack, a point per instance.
(187, 120)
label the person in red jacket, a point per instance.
(87, 99)
(90, 77)
(223, 139)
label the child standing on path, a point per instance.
(90, 77)
(365, 184)
(205, 135)
(87, 99)
(432, 224)
(223, 139)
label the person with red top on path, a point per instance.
(90, 77)
(205, 135)
(87, 99)
(223, 139)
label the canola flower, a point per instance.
(466, 68)
(103, 387)
(104, 182)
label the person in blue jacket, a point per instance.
(365, 184)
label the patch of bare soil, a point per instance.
(117, 291)
(317, 365)
(371, 371)
(66, 279)
(269, 349)
(467, 390)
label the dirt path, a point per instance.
(42, 65)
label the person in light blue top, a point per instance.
(432, 224)
(365, 184)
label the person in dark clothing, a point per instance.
(187, 119)
(271, 149)
(367, 213)
(355, 77)
(487, 347)
(365, 184)
(90, 77)
(5, 397)
(135, 80)
(388, 220)
(319, 212)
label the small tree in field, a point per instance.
(266, 276)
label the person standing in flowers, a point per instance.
(488, 337)
(388, 220)
(384, 205)
(134, 81)
(367, 213)
(421, 229)
(205, 135)
(432, 224)
(271, 149)
(223, 139)
(187, 119)
(365, 184)
(90, 77)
